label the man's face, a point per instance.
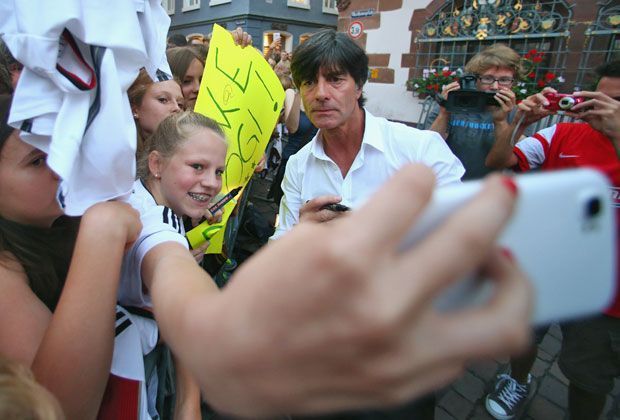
(500, 78)
(610, 86)
(330, 100)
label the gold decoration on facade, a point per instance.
(483, 28)
(501, 20)
(467, 20)
(518, 6)
(547, 24)
(481, 19)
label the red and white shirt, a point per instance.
(572, 145)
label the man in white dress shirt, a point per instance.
(352, 154)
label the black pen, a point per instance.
(225, 199)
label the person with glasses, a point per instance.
(471, 135)
(590, 353)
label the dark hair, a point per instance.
(8, 64)
(5, 128)
(334, 53)
(178, 40)
(44, 253)
(610, 69)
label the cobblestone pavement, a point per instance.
(464, 399)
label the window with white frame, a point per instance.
(329, 6)
(168, 6)
(302, 4)
(191, 5)
(216, 2)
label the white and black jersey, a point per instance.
(132, 394)
(159, 224)
(71, 99)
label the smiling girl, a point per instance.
(179, 173)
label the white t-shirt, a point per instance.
(159, 224)
(71, 100)
(386, 147)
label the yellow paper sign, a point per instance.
(241, 92)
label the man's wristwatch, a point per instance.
(439, 98)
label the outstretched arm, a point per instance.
(325, 319)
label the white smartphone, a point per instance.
(562, 234)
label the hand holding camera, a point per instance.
(599, 110)
(561, 101)
(465, 96)
(533, 108)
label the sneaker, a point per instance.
(508, 397)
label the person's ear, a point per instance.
(156, 163)
(134, 113)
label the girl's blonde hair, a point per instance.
(171, 133)
(21, 397)
(496, 55)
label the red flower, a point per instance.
(436, 87)
(429, 87)
(533, 52)
(549, 76)
(541, 83)
(537, 59)
(531, 75)
(446, 73)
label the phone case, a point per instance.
(562, 234)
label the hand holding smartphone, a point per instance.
(562, 234)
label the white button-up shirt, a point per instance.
(386, 147)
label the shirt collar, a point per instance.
(372, 137)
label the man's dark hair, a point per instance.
(178, 40)
(333, 53)
(610, 69)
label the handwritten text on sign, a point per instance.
(241, 92)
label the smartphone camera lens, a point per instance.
(593, 207)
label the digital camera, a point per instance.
(468, 98)
(562, 101)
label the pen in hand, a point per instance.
(224, 200)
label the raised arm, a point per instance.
(530, 111)
(506, 100)
(292, 108)
(440, 124)
(602, 113)
(70, 350)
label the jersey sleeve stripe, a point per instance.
(522, 163)
(543, 142)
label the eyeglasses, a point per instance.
(502, 81)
